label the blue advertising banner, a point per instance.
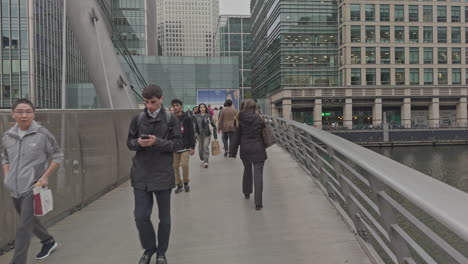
(216, 98)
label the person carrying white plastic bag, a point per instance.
(27, 148)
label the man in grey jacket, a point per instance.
(26, 150)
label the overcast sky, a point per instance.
(234, 7)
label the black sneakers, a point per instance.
(186, 187)
(179, 189)
(161, 260)
(47, 248)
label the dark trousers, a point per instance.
(253, 173)
(227, 137)
(143, 210)
(27, 225)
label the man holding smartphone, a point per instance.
(155, 135)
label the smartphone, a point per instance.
(145, 137)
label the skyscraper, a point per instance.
(234, 39)
(187, 27)
(31, 53)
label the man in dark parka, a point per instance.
(155, 135)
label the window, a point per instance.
(441, 34)
(399, 34)
(456, 35)
(466, 55)
(356, 34)
(384, 55)
(441, 14)
(428, 35)
(427, 13)
(456, 55)
(399, 13)
(370, 55)
(413, 13)
(428, 76)
(428, 56)
(384, 33)
(355, 55)
(442, 76)
(466, 35)
(466, 13)
(355, 12)
(356, 77)
(414, 34)
(370, 12)
(442, 56)
(456, 76)
(370, 77)
(414, 76)
(384, 12)
(399, 55)
(414, 55)
(456, 14)
(370, 34)
(400, 76)
(384, 76)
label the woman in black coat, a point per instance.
(252, 150)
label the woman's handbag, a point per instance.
(268, 136)
(215, 148)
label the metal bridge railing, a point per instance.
(401, 215)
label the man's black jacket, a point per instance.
(188, 132)
(152, 166)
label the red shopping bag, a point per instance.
(43, 202)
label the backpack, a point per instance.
(168, 119)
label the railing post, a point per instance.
(346, 191)
(388, 219)
(320, 166)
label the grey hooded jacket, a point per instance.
(28, 158)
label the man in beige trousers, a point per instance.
(226, 124)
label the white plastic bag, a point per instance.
(43, 202)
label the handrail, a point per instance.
(440, 201)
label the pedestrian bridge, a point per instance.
(325, 201)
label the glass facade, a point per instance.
(129, 17)
(187, 27)
(295, 44)
(31, 53)
(234, 39)
(182, 77)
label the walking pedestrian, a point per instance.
(226, 124)
(155, 135)
(248, 136)
(181, 157)
(28, 147)
(202, 123)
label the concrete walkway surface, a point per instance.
(213, 223)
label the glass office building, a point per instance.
(129, 17)
(186, 77)
(295, 44)
(31, 53)
(233, 39)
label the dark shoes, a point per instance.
(226, 154)
(161, 260)
(247, 196)
(47, 248)
(146, 258)
(178, 189)
(258, 207)
(186, 187)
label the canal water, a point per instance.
(448, 164)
